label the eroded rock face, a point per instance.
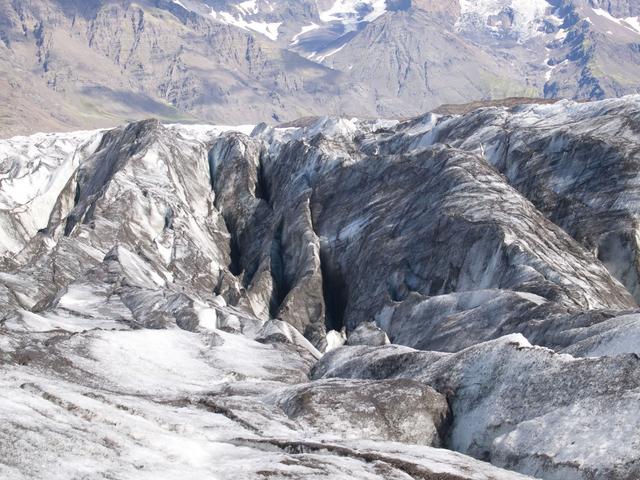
(178, 283)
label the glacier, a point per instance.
(446, 296)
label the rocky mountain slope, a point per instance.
(445, 297)
(97, 63)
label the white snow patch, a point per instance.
(303, 31)
(335, 340)
(630, 23)
(548, 74)
(528, 14)
(561, 34)
(207, 316)
(206, 133)
(321, 58)
(162, 361)
(250, 7)
(269, 30)
(350, 12)
(634, 22)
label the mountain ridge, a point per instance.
(107, 62)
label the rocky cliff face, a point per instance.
(328, 298)
(100, 63)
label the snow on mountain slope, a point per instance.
(351, 12)
(305, 29)
(520, 17)
(269, 30)
(631, 23)
(259, 16)
(217, 61)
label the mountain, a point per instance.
(448, 296)
(102, 62)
